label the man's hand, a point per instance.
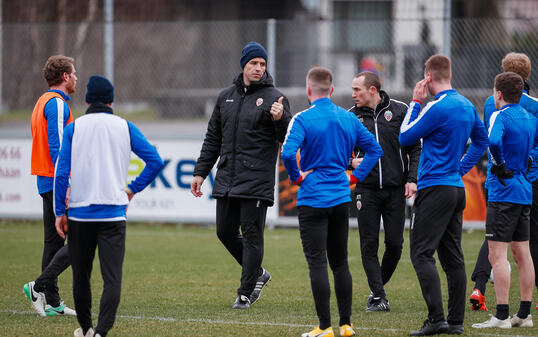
(67, 196)
(501, 173)
(61, 225)
(277, 109)
(356, 162)
(421, 91)
(130, 193)
(410, 190)
(302, 177)
(196, 186)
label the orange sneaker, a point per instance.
(478, 301)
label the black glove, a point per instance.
(529, 165)
(501, 173)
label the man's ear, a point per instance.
(308, 90)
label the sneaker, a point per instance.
(430, 328)
(379, 304)
(346, 330)
(36, 298)
(478, 301)
(455, 329)
(521, 322)
(264, 278)
(62, 309)
(494, 322)
(317, 332)
(241, 302)
(371, 299)
(90, 333)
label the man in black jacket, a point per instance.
(249, 121)
(383, 191)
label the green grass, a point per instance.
(180, 281)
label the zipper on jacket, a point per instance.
(234, 141)
(379, 161)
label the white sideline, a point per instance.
(218, 321)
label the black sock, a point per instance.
(502, 311)
(324, 325)
(345, 320)
(480, 284)
(524, 309)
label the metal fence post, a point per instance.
(109, 40)
(446, 29)
(271, 47)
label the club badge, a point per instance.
(388, 115)
(361, 120)
(259, 101)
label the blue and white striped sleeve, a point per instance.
(62, 169)
(148, 153)
(417, 123)
(293, 141)
(496, 131)
(57, 114)
(479, 144)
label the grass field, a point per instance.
(180, 281)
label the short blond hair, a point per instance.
(518, 63)
(439, 66)
(320, 80)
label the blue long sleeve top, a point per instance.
(528, 103)
(444, 125)
(512, 136)
(139, 145)
(326, 135)
(57, 114)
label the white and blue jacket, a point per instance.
(512, 134)
(528, 103)
(326, 135)
(96, 150)
(57, 114)
(444, 125)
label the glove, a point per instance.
(353, 180)
(501, 173)
(529, 165)
(298, 181)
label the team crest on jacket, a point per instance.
(388, 115)
(259, 101)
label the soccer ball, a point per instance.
(491, 274)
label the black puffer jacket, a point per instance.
(394, 168)
(242, 132)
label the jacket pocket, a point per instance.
(256, 164)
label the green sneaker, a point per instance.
(61, 310)
(36, 298)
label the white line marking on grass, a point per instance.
(219, 321)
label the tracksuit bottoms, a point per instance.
(246, 246)
(83, 238)
(55, 255)
(437, 226)
(324, 235)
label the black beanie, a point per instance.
(99, 89)
(252, 50)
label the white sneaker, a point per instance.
(62, 310)
(37, 299)
(494, 322)
(522, 323)
(78, 333)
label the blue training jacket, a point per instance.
(326, 135)
(512, 135)
(444, 125)
(528, 103)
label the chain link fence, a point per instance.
(176, 69)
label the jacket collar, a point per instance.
(99, 107)
(64, 96)
(448, 91)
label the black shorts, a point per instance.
(507, 222)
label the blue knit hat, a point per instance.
(99, 89)
(252, 50)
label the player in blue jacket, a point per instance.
(512, 135)
(444, 125)
(326, 135)
(520, 64)
(95, 154)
